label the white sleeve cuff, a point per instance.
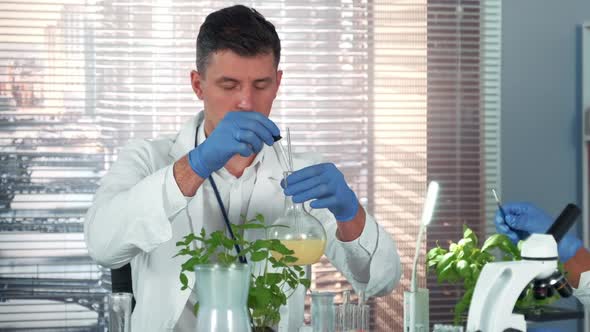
(582, 293)
(174, 200)
(364, 245)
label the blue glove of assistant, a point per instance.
(240, 132)
(326, 184)
(526, 218)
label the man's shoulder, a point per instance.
(159, 146)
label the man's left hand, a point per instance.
(326, 184)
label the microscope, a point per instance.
(500, 283)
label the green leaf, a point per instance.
(466, 243)
(444, 262)
(475, 270)
(196, 309)
(260, 218)
(431, 264)
(452, 247)
(507, 246)
(183, 281)
(292, 283)
(435, 252)
(250, 226)
(448, 274)
(463, 268)
(227, 243)
(262, 244)
(493, 242)
(258, 256)
(305, 282)
(289, 259)
(279, 247)
(273, 278)
(469, 234)
(189, 265)
(262, 295)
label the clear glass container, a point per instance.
(120, 312)
(223, 297)
(303, 233)
(323, 312)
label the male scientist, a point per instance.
(160, 190)
(522, 219)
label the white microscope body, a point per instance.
(500, 283)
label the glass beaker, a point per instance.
(120, 312)
(323, 313)
(222, 292)
(299, 231)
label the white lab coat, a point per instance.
(139, 214)
(583, 290)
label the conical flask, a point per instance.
(299, 231)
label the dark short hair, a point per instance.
(240, 29)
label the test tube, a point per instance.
(344, 313)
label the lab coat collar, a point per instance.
(185, 141)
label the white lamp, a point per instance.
(416, 307)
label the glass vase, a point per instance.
(222, 292)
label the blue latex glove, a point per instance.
(526, 218)
(239, 132)
(326, 184)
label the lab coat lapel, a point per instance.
(185, 140)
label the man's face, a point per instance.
(236, 83)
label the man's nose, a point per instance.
(245, 101)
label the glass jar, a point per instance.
(222, 292)
(323, 314)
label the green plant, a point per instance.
(463, 262)
(267, 291)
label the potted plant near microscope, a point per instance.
(462, 262)
(253, 292)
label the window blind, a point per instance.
(394, 93)
(463, 56)
(436, 107)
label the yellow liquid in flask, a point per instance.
(307, 251)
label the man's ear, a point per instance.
(279, 77)
(196, 83)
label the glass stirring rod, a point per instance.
(281, 154)
(521, 234)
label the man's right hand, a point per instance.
(239, 132)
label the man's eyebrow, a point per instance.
(224, 79)
(263, 80)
